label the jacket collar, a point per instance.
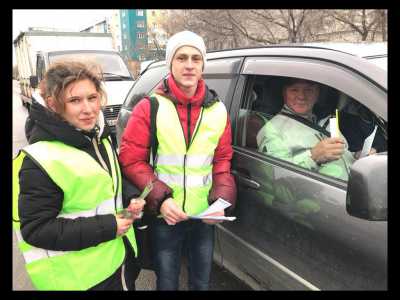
(178, 94)
(203, 97)
(311, 117)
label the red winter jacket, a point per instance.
(135, 145)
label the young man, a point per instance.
(289, 139)
(192, 167)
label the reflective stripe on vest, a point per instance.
(191, 181)
(177, 160)
(188, 171)
(81, 178)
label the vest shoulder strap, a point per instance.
(153, 128)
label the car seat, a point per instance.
(266, 102)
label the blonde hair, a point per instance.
(61, 74)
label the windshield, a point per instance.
(111, 63)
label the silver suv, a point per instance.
(297, 229)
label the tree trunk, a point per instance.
(383, 22)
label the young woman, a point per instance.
(69, 192)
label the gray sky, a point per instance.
(63, 19)
(56, 18)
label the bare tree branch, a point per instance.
(238, 28)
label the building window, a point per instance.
(140, 35)
(123, 25)
(123, 13)
(140, 24)
(153, 13)
(139, 12)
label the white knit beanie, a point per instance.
(184, 38)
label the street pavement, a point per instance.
(220, 279)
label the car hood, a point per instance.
(117, 91)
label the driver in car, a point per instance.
(294, 134)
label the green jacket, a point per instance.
(291, 140)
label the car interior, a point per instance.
(263, 99)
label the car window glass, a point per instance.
(143, 85)
(357, 122)
(363, 81)
(260, 126)
(111, 63)
(219, 75)
(220, 86)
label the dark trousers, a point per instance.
(193, 238)
(112, 283)
(132, 268)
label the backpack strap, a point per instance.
(306, 122)
(153, 129)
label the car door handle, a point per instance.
(246, 181)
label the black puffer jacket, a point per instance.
(40, 200)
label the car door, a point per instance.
(292, 229)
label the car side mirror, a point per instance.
(367, 188)
(33, 81)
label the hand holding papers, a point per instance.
(222, 218)
(127, 213)
(218, 205)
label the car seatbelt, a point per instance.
(306, 122)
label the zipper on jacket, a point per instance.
(189, 110)
(115, 159)
(184, 182)
(188, 143)
(98, 154)
(184, 158)
(190, 140)
(96, 143)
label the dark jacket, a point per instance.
(356, 130)
(135, 144)
(40, 200)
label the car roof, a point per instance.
(321, 52)
(361, 49)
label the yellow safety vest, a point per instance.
(88, 191)
(188, 170)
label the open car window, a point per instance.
(261, 127)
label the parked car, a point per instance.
(296, 229)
